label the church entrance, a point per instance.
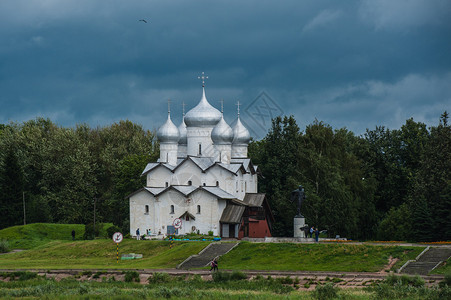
(232, 230)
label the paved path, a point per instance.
(207, 255)
(428, 261)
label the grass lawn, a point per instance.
(444, 268)
(36, 234)
(101, 254)
(314, 257)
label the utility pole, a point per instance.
(95, 200)
(24, 215)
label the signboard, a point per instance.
(177, 223)
(117, 237)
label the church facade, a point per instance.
(202, 181)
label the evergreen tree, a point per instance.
(11, 191)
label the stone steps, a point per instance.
(207, 255)
(427, 261)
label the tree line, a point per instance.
(61, 174)
(386, 184)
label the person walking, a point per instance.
(73, 234)
(311, 231)
(214, 264)
(316, 234)
(137, 234)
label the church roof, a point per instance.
(168, 132)
(232, 214)
(254, 199)
(203, 114)
(205, 163)
(187, 213)
(218, 192)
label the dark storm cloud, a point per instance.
(354, 64)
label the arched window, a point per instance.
(167, 184)
(198, 209)
(172, 209)
(146, 211)
(204, 184)
(190, 182)
(217, 183)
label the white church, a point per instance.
(203, 181)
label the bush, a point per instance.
(404, 280)
(446, 281)
(90, 231)
(159, 278)
(226, 276)
(4, 246)
(112, 230)
(131, 276)
(326, 291)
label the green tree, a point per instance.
(11, 190)
(430, 198)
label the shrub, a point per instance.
(90, 231)
(210, 233)
(4, 246)
(112, 230)
(159, 278)
(131, 275)
(237, 275)
(404, 280)
(326, 291)
(446, 281)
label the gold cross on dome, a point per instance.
(203, 77)
(238, 105)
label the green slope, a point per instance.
(33, 235)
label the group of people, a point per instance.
(214, 264)
(315, 231)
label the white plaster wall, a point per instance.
(168, 153)
(158, 177)
(138, 218)
(208, 219)
(187, 171)
(199, 135)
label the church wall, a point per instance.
(158, 177)
(202, 136)
(210, 211)
(138, 216)
(187, 171)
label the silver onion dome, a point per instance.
(240, 133)
(222, 133)
(168, 133)
(182, 130)
(203, 114)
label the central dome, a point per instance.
(203, 115)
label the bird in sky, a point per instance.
(142, 20)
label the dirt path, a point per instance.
(306, 280)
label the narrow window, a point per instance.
(245, 186)
(172, 209)
(217, 183)
(147, 210)
(190, 182)
(205, 184)
(236, 186)
(167, 184)
(200, 149)
(198, 209)
(187, 218)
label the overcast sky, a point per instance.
(353, 64)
